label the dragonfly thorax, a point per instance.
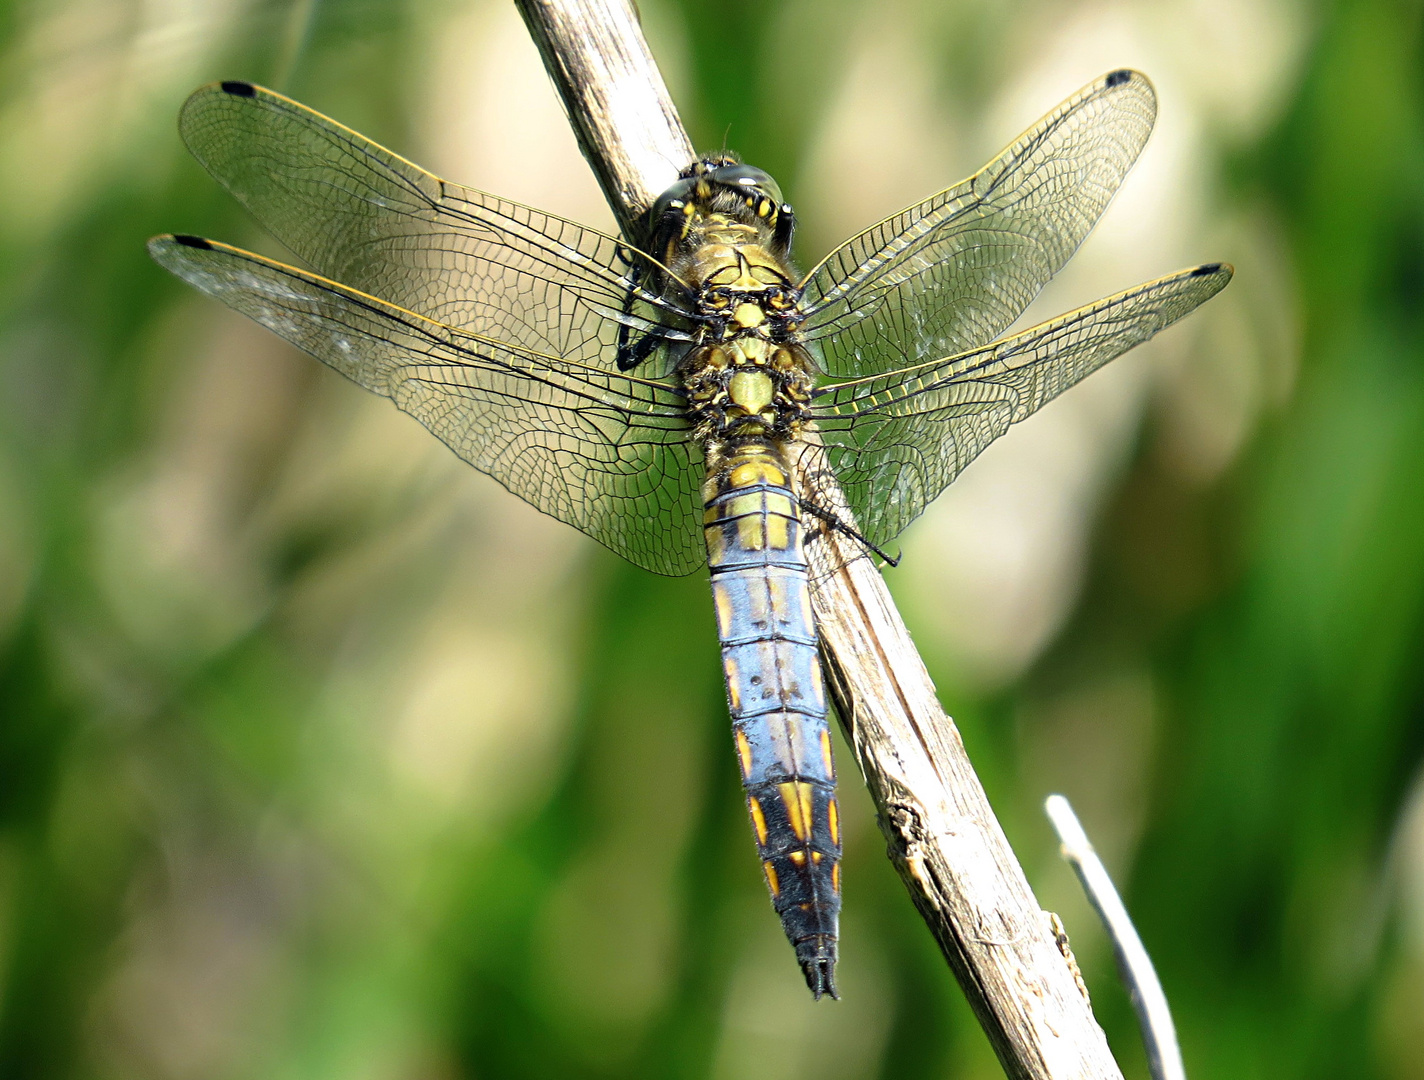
(747, 385)
(732, 262)
(727, 237)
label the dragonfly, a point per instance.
(658, 391)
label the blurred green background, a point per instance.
(322, 756)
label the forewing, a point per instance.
(607, 453)
(954, 272)
(895, 441)
(362, 215)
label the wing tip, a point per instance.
(1214, 269)
(161, 248)
(1129, 77)
(158, 245)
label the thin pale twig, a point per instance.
(1159, 1034)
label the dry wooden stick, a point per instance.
(613, 93)
(943, 836)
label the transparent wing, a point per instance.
(895, 441)
(954, 272)
(605, 452)
(362, 215)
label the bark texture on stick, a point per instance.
(627, 126)
(942, 835)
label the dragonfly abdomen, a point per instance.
(776, 694)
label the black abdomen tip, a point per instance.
(817, 955)
(1117, 78)
(192, 241)
(239, 89)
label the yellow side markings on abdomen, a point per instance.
(796, 797)
(758, 819)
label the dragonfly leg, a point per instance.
(845, 530)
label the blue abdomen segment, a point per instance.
(777, 696)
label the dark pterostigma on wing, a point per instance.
(953, 272)
(365, 216)
(895, 441)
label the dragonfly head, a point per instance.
(723, 186)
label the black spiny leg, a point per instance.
(631, 355)
(836, 524)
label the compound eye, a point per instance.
(674, 197)
(748, 179)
